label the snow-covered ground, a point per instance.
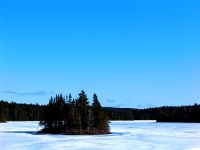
(133, 135)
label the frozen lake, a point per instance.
(133, 135)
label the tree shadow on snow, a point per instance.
(22, 132)
(118, 133)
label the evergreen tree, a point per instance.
(72, 117)
(48, 116)
(83, 108)
(97, 110)
(100, 119)
(70, 98)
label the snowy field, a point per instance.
(133, 135)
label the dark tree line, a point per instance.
(74, 116)
(189, 113)
(22, 112)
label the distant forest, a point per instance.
(29, 112)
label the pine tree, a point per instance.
(100, 122)
(96, 109)
(48, 117)
(83, 107)
(70, 98)
(73, 123)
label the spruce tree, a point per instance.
(100, 122)
(73, 125)
(48, 118)
(83, 107)
(96, 109)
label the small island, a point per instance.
(65, 115)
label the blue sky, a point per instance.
(131, 53)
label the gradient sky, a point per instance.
(132, 53)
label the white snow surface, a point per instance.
(133, 135)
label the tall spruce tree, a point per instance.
(96, 109)
(100, 121)
(83, 107)
(47, 119)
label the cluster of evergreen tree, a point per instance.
(74, 116)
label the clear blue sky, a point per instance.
(132, 53)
